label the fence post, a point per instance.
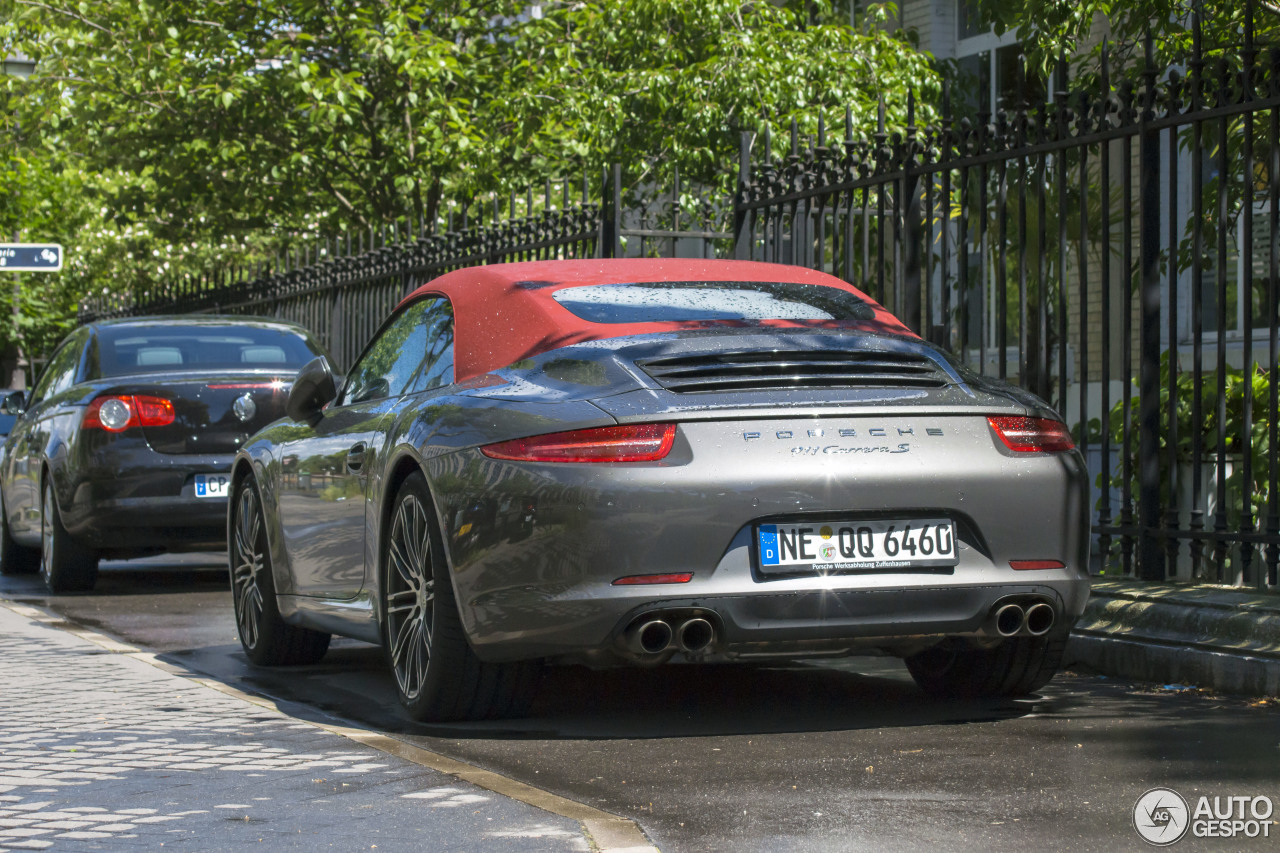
(1151, 555)
(742, 216)
(912, 204)
(612, 225)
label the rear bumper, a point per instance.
(151, 507)
(552, 593)
(152, 524)
(898, 613)
(847, 620)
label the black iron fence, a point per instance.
(1115, 250)
(342, 289)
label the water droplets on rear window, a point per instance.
(676, 301)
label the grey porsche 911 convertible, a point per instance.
(637, 460)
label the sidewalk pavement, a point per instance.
(1223, 638)
(105, 747)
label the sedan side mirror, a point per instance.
(313, 388)
(15, 403)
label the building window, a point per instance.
(969, 23)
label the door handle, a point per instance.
(355, 457)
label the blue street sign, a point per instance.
(30, 257)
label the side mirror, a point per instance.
(313, 388)
(15, 403)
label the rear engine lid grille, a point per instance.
(800, 369)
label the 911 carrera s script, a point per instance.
(842, 546)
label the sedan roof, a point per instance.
(506, 312)
(199, 320)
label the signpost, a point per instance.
(30, 257)
(20, 258)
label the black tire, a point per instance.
(15, 559)
(266, 638)
(1016, 667)
(65, 564)
(438, 677)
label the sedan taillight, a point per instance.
(119, 412)
(1032, 435)
(629, 443)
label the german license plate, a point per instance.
(213, 485)
(851, 545)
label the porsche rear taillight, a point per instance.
(1032, 435)
(119, 412)
(627, 443)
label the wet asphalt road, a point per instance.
(801, 756)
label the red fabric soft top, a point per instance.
(505, 312)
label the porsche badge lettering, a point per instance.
(840, 450)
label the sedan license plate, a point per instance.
(851, 545)
(213, 485)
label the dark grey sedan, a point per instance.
(123, 447)
(619, 462)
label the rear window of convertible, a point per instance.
(160, 349)
(676, 301)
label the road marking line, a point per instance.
(607, 833)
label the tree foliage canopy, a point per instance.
(162, 137)
(1049, 28)
(300, 113)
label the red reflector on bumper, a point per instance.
(1027, 565)
(636, 580)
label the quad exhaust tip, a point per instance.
(1039, 619)
(695, 636)
(649, 638)
(1009, 620)
(1028, 617)
(652, 636)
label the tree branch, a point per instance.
(67, 13)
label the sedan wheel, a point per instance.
(65, 564)
(438, 676)
(264, 635)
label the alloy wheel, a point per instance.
(247, 566)
(410, 595)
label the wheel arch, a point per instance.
(245, 467)
(241, 468)
(47, 480)
(403, 465)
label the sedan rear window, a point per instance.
(675, 301)
(150, 349)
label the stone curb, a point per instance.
(1221, 638)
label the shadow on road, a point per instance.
(671, 701)
(169, 574)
